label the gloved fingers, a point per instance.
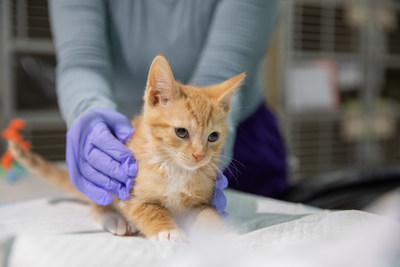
(101, 137)
(219, 201)
(223, 214)
(104, 182)
(120, 125)
(222, 181)
(110, 167)
(123, 132)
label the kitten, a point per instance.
(177, 142)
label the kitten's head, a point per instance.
(187, 123)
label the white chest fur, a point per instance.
(177, 181)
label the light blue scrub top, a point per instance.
(105, 48)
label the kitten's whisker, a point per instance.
(169, 163)
(238, 108)
(232, 160)
(224, 159)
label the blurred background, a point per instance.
(333, 78)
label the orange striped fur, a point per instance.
(170, 182)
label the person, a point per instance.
(104, 49)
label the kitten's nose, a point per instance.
(198, 157)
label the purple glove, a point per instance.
(219, 199)
(97, 160)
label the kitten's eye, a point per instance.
(213, 137)
(181, 132)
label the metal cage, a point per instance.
(28, 75)
(314, 30)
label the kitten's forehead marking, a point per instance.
(200, 112)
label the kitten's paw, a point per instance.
(116, 224)
(175, 235)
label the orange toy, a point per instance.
(12, 133)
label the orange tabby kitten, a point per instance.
(178, 139)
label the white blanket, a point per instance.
(60, 232)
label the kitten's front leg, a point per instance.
(113, 221)
(153, 220)
(208, 217)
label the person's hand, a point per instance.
(219, 199)
(98, 162)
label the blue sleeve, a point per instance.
(83, 57)
(237, 40)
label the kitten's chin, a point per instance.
(191, 167)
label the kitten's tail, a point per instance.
(43, 168)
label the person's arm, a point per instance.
(83, 58)
(238, 37)
(99, 164)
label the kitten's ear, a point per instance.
(223, 92)
(161, 86)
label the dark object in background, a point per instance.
(347, 189)
(35, 82)
(392, 84)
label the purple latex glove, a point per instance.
(219, 199)
(98, 162)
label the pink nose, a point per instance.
(198, 157)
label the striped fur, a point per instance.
(170, 182)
